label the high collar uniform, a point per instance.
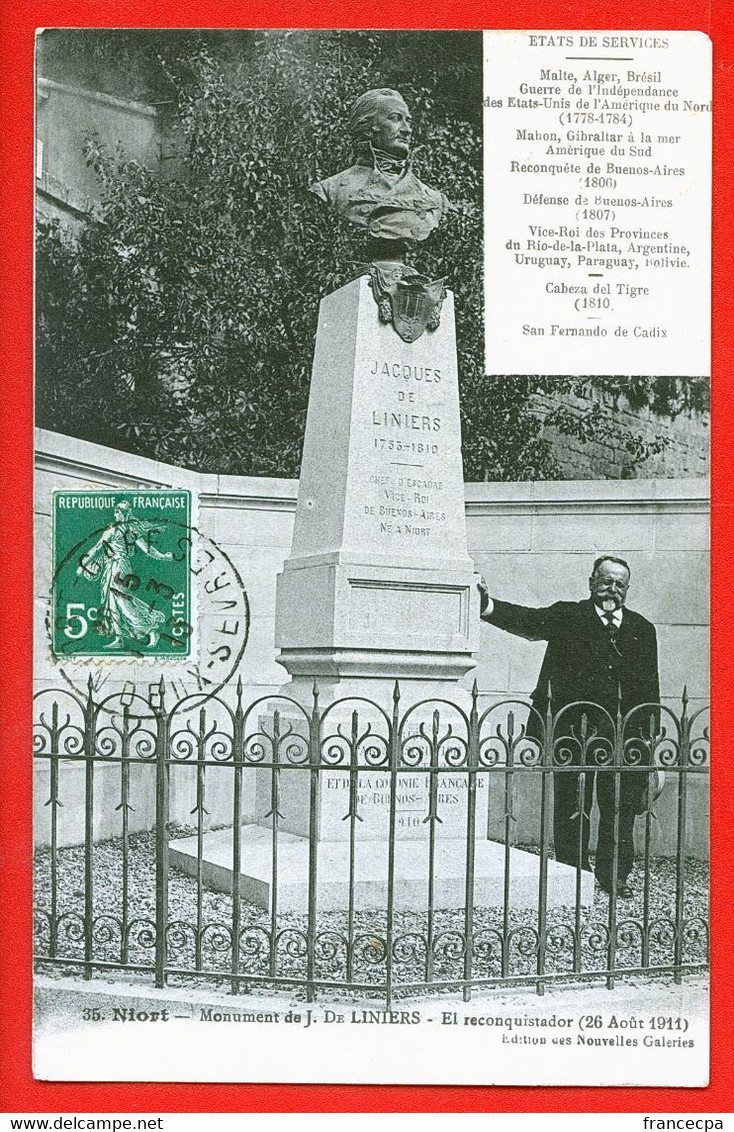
(384, 196)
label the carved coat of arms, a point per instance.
(407, 299)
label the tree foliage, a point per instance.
(179, 323)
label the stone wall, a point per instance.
(534, 543)
(686, 454)
(66, 117)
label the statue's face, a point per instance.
(392, 128)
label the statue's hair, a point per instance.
(364, 110)
(610, 558)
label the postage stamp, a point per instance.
(122, 574)
(242, 857)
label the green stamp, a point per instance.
(122, 574)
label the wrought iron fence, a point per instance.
(357, 848)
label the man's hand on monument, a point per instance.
(486, 605)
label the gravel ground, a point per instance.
(414, 960)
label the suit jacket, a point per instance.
(581, 663)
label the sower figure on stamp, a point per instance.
(122, 615)
(598, 651)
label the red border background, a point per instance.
(18, 1091)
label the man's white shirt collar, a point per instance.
(616, 616)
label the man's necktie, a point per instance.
(609, 627)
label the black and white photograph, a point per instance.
(371, 590)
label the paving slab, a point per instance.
(411, 872)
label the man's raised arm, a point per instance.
(521, 620)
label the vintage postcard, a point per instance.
(371, 661)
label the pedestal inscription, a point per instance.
(412, 806)
(382, 469)
(365, 796)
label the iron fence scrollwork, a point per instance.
(356, 841)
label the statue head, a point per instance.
(380, 192)
(381, 119)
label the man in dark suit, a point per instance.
(598, 650)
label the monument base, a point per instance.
(370, 873)
(362, 707)
(379, 688)
(332, 665)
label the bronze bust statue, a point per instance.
(381, 194)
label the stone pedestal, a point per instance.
(378, 587)
(379, 582)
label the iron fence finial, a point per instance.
(398, 753)
(474, 700)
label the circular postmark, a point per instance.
(136, 600)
